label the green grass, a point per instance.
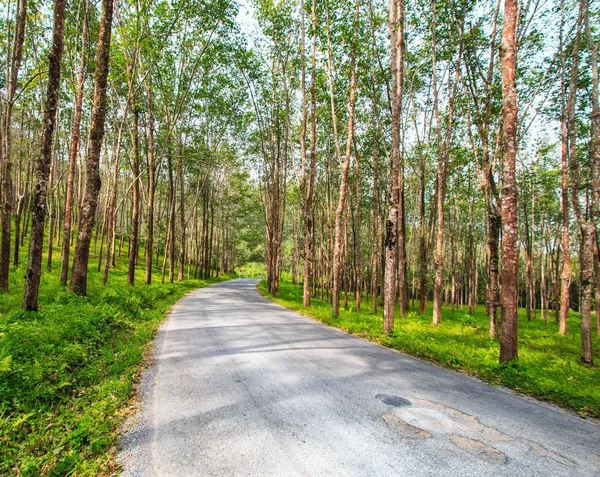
(67, 372)
(548, 368)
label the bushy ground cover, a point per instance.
(67, 372)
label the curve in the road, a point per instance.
(242, 386)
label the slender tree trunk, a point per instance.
(308, 195)
(18, 217)
(92, 184)
(396, 27)
(36, 240)
(568, 108)
(337, 249)
(50, 204)
(73, 151)
(134, 237)
(375, 210)
(510, 263)
(151, 185)
(5, 142)
(588, 236)
(595, 158)
(587, 225)
(422, 244)
(171, 212)
(111, 213)
(438, 260)
(181, 213)
(357, 244)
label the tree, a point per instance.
(12, 75)
(36, 240)
(89, 206)
(396, 26)
(510, 258)
(74, 150)
(337, 248)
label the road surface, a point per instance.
(243, 387)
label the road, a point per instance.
(243, 387)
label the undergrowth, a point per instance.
(67, 372)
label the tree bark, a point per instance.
(595, 159)
(587, 225)
(171, 212)
(36, 240)
(337, 248)
(510, 258)
(307, 189)
(151, 186)
(182, 214)
(5, 142)
(134, 236)
(567, 124)
(396, 28)
(73, 151)
(92, 183)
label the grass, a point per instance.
(548, 368)
(67, 372)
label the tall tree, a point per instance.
(74, 150)
(337, 247)
(586, 221)
(396, 27)
(12, 76)
(151, 184)
(89, 205)
(36, 239)
(510, 255)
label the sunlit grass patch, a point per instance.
(67, 372)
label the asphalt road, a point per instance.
(241, 386)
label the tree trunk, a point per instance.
(36, 240)
(92, 183)
(181, 213)
(308, 195)
(73, 151)
(134, 237)
(588, 236)
(151, 188)
(375, 210)
(5, 143)
(567, 129)
(510, 264)
(337, 247)
(357, 244)
(171, 212)
(396, 28)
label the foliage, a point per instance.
(67, 372)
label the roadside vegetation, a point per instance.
(67, 372)
(549, 365)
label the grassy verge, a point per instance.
(66, 373)
(548, 366)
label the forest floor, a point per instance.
(67, 372)
(548, 368)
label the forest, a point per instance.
(404, 160)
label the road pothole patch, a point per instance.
(404, 429)
(420, 419)
(479, 449)
(392, 400)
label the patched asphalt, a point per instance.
(243, 387)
